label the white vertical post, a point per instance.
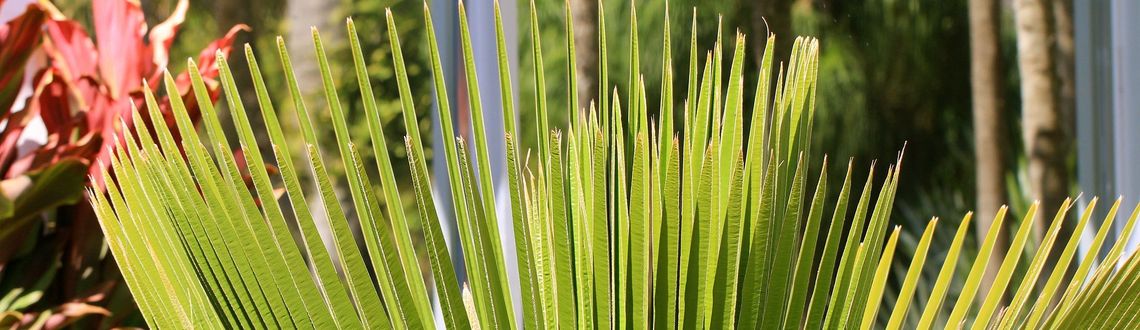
(1125, 70)
(1108, 107)
(481, 17)
(445, 20)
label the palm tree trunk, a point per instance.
(586, 51)
(989, 125)
(303, 14)
(1064, 61)
(1065, 68)
(1043, 122)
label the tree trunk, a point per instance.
(1043, 122)
(1064, 61)
(303, 14)
(586, 51)
(989, 126)
(1065, 69)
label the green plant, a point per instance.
(53, 267)
(623, 221)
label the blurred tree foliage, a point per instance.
(369, 18)
(897, 72)
(370, 21)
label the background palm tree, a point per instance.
(990, 138)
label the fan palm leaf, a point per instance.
(623, 219)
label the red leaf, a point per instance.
(162, 35)
(123, 57)
(51, 103)
(71, 50)
(8, 138)
(17, 38)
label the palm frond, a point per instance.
(622, 219)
